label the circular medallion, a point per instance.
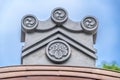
(89, 24)
(59, 15)
(58, 51)
(29, 22)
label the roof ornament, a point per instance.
(59, 40)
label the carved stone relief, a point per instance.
(59, 15)
(58, 51)
(29, 23)
(89, 24)
(51, 41)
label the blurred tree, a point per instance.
(112, 66)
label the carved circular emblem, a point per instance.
(58, 51)
(89, 24)
(59, 15)
(29, 22)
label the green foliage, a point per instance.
(112, 66)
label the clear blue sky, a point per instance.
(106, 11)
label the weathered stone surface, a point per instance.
(59, 40)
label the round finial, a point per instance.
(58, 51)
(89, 24)
(29, 22)
(59, 15)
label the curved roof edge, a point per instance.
(59, 71)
